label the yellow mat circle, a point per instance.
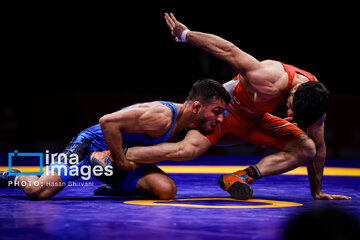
(267, 203)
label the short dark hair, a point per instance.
(311, 101)
(206, 89)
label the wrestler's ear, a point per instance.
(196, 107)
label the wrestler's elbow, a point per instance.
(109, 123)
(104, 120)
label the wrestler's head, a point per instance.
(209, 102)
(307, 102)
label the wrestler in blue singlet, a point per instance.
(92, 140)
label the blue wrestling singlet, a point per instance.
(92, 140)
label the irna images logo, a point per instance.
(15, 158)
(60, 163)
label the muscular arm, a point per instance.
(315, 167)
(140, 119)
(217, 46)
(242, 62)
(255, 72)
(193, 145)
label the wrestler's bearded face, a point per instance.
(210, 115)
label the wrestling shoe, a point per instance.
(237, 184)
(101, 158)
(107, 190)
(7, 181)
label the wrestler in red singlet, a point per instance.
(263, 87)
(250, 120)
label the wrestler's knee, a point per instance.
(157, 183)
(164, 188)
(168, 190)
(305, 148)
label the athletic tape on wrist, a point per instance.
(183, 36)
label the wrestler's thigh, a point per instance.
(273, 132)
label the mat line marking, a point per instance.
(267, 203)
(328, 171)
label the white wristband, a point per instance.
(183, 36)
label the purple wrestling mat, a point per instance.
(201, 210)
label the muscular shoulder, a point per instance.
(154, 118)
(269, 80)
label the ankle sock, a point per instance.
(253, 171)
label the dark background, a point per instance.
(65, 65)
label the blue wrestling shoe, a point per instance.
(7, 181)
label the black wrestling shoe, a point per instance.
(7, 181)
(107, 190)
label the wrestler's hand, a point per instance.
(128, 165)
(325, 196)
(175, 26)
(133, 165)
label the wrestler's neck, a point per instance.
(185, 117)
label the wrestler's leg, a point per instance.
(295, 148)
(297, 152)
(156, 183)
(39, 188)
(57, 174)
(147, 180)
